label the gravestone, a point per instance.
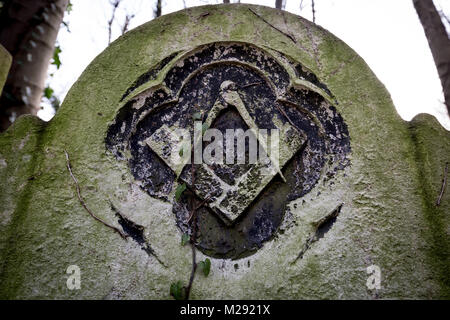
(348, 202)
(5, 64)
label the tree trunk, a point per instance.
(438, 41)
(313, 11)
(158, 9)
(28, 30)
(279, 4)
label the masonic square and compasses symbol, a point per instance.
(230, 201)
(300, 139)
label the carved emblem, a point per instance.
(230, 86)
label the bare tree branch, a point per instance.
(115, 4)
(438, 41)
(302, 6)
(158, 9)
(278, 4)
(313, 11)
(83, 203)
(127, 22)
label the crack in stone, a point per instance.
(136, 232)
(313, 44)
(279, 30)
(321, 228)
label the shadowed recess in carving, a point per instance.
(136, 232)
(149, 75)
(322, 227)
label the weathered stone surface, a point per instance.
(231, 86)
(5, 64)
(378, 207)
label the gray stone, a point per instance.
(356, 185)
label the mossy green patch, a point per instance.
(431, 145)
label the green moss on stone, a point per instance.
(388, 217)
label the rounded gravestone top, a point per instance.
(238, 67)
(317, 189)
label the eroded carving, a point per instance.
(233, 86)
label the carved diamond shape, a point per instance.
(229, 201)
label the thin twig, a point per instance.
(192, 223)
(115, 4)
(127, 23)
(84, 203)
(198, 207)
(313, 11)
(158, 9)
(301, 5)
(444, 183)
(288, 118)
(251, 85)
(282, 32)
(194, 268)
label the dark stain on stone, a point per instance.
(149, 75)
(311, 77)
(322, 227)
(325, 225)
(136, 232)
